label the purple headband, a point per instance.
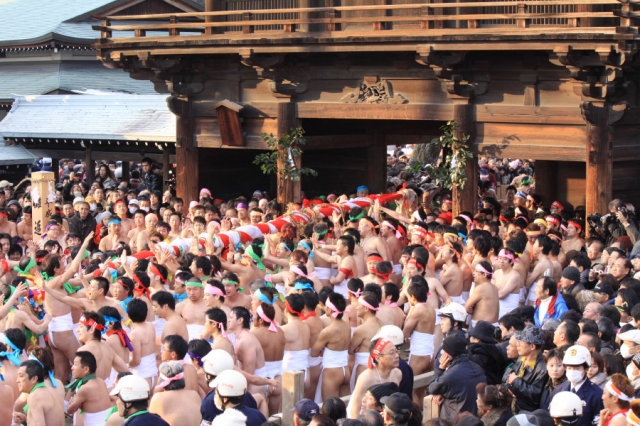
(241, 206)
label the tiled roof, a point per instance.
(10, 155)
(91, 117)
(39, 78)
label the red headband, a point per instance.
(374, 257)
(575, 224)
(414, 261)
(291, 310)
(154, 269)
(142, 290)
(551, 219)
(381, 275)
(379, 347)
(90, 323)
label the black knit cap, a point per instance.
(455, 345)
(380, 390)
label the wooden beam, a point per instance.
(437, 112)
(465, 199)
(97, 155)
(188, 169)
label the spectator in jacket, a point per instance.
(484, 352)
(549, 303)
(82, 223)
(528, 376)
(455, 389)
(150, 179)
(494, 404)
(566, 334)
(556, 371)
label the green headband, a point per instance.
(360, 216)
(32, 264)
(249, 251)
(85, 254)
(230, 282)
(193, 284)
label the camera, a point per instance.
(624, 211)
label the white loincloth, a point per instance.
(465, 296)
(458, 299)
(331, 359)
(314, 361)
(58, 325)
(353, 330)
(96, 419)
(194, 330)
(342, 289)
(147, 368)
(397, 269)
(522, 295)
(531, 297)
(261, 372)
(421, 344)
(158, 325)
(323, 273)
(474, 322)
(111, 380)
(508, 304)
(295, 360)
(281, 289)
(361, 358)
(274, 368)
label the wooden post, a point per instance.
(188, 168)
(126, 175)
(165, 166)
(43, 201)
(286, 121)
(377, 163)
(292, 392)
(546, 177)
(466, 198)
(90, 167)
(55, 167)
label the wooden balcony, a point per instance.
(279, 26)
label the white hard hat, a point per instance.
(217, 361)
(455, 311)
(230, 383)
(577, 355)
(390, 332)
(566, 404)
(630, 336)
(131, 388)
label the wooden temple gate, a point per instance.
(550, 80)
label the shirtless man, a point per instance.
(333, 344)
(143, 236)
(216, 326)
(572, 239)
(366, 309)
(322, 266)
(215, 296)
(172, 400)
(233, 292)
(451, 277)
(508, 281)
(315, 327)
(544, 267)
(382, 367)
(272, 339)
(372, 261)
(138, 227)
(20, 316)
(164, 307)
(370, 241)
(389, 313)
(245, 271)
(13, 343)
(419, 327)
(96, 297)
(389, 230)
(90, 335)
(90, 393)
(6, 410)
(158, 275)
(24, 228)
(193, 308)
(114, 236)
(62, 341)
(175, 348)
(247, 347)
(483, 303)
(116, 336)
(344, 257)
(7, 227)
(120, 208)
(43, 406)
(143, 357)
(297, 335)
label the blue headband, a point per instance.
(362, 188)
(49, 372)
(261, 297)
(462, 237)
(286, 247)
(14, 356)
(109, 320)
(113, 222)
(303, 286)
(305, 245)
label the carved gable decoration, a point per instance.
(374, 91)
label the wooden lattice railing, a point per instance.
(575, 16)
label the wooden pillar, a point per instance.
(43, 201)
(126, 175)
(55, 167)
(90, 166)
(292, 392)
(546, 178)
(377, 163)
(599, 117)
(287, 120)
(466, 198)
(165, 167)
(188, 168)
(213, 6)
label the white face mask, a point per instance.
(77, 194)
(92, 207)
(625, 351)
(574, 376)
(146, 209)
(132, 210)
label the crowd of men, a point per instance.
(132, 309)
